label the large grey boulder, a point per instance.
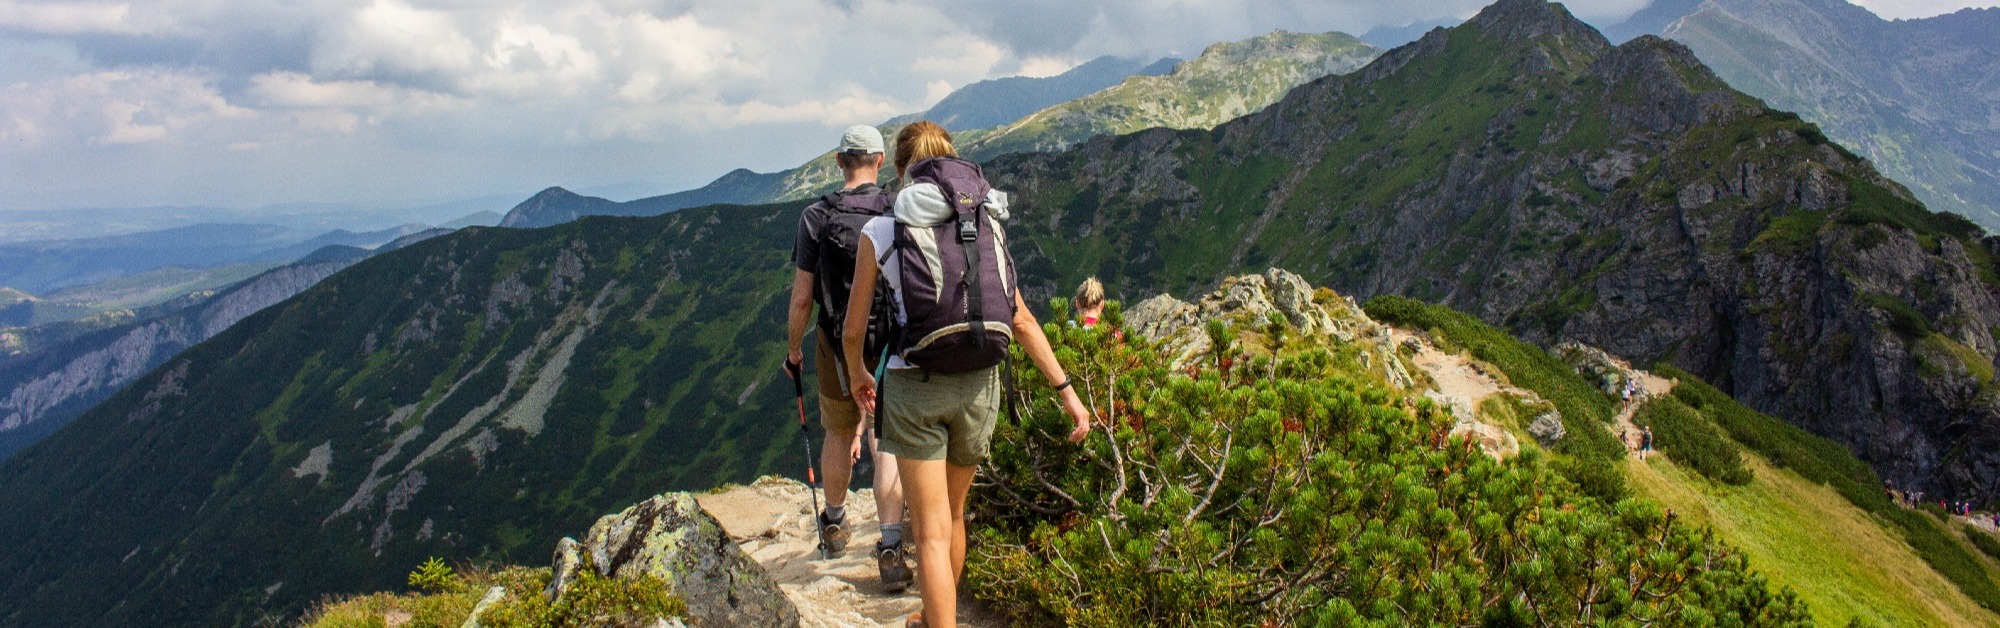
(671, 538)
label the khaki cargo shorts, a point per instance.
(932, 416)
(837, 411)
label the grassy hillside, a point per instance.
(1845, 564)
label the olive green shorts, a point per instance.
(932, 416)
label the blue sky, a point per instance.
(108, 103)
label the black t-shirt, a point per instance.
(812, 221)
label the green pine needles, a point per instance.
(1297, 488)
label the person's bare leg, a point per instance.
(926, 489)
(959, 481)
(836, 465)
(888, 488)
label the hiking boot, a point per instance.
(832, 536)
(895, 569)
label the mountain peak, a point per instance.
(554, 192)
(1524, 20)
(551, 206)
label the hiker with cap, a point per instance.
(823, 261)
(943, 257)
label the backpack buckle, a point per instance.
(968, 230)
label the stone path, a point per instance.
(772, 521)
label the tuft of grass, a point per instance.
(1981, 539)
(1904, 319)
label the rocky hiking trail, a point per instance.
(771, 520)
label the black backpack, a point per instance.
(958, 280)
(840, 241)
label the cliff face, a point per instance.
(1521, 168)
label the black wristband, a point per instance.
(1065, 384)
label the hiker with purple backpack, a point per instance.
(823, 256)
(943, 259)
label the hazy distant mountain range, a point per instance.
(1227, 80)
(52, 373)
(1919, 98)
(999, 101)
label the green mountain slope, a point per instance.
(466, 396)
(1915, 97)
(1226, 81)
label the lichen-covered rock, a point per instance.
(1547, 429)
(671, 538)
(569, 557)
(493, 596)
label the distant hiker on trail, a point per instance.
(944, 259)
(1645, 442)
(823, 258)
(1089, 302)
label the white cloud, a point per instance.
(1912, 9)
(111, 107)
(76, 18)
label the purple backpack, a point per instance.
(958, 280)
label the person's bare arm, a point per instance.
(1028, 332)
(795, 322)
(854, 330)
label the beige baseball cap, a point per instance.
(861, 139)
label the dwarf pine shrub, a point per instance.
(1295, 489)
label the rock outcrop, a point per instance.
(1250, 304)
(671, 538)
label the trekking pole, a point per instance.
(805, 437)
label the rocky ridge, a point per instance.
(1407, 361)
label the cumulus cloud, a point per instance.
(78, 18)
(111, 107)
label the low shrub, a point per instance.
(1685, 436)
(1981, 539)
(448, 597)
